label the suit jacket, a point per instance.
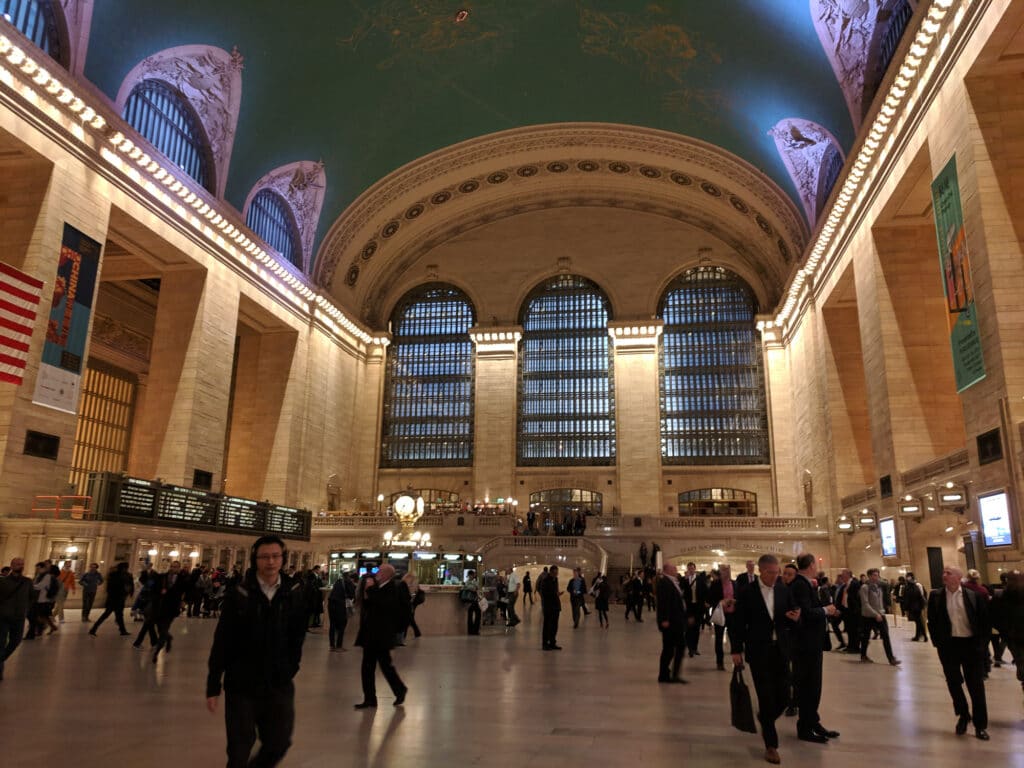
(808, 635)
(751, 628)
(744, 579)
(671, 605)
(166, 600)
(696, 593)
(547, 588)
(942, 628)
(381, 616)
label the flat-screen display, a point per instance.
(887, 528)
(995, 519)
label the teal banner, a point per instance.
(962, 316)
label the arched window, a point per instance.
(559, 503)
(164, 116)
(566, 403)
(831, 167)
(428, 389)
(712, 383)
(271, 218)
(897, 24)
(37, 20)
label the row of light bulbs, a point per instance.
(853, 189)
(165, 182)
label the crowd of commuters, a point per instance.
(778, 620)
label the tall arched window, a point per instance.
(271, 218)
(712, 382)
(165, 117)
(38, 20)
(831, 167)
(566, 403)
(428, 389)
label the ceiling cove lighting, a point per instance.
(264, 266)
(899, 101)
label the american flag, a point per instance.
(19, 300)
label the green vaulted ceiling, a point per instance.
(368, 86)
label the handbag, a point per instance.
(483, 604)
(467, 595)
(739, 699)
(718, 616)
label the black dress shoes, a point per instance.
(982, 734)
(961, 724)
(400, 698)
(814, 738)
(367, 705)
(821, 730)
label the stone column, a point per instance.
(637, 415)
(183, 423)
(494, 419)
(98, 551)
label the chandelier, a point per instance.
(409, 511)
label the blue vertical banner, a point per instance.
(955, 262)
(67, 329)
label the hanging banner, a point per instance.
(962, 317)
(67, 330)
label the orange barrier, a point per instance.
(63, 507)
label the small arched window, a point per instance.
(40, 22)
(566, 398)
(166, 118)
(712, 384)
(831, 167)
(730, 502)
(428, 386)
(271, 218)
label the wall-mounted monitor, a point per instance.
(887, 528)
(995, 519)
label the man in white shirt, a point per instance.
(512, 586)
(960, 630)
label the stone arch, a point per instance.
(302, 186)
(805, 146)
(211, 79)
(451, 191)
(77, 25)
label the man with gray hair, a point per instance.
(960, 628)
(378, 626)
(872, 606)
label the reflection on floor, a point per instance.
(494, 700)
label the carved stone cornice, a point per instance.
(803, 144)
(609, 161)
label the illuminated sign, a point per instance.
(887, 528)
(995, 519)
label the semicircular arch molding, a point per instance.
(577, 164)
(211, 79)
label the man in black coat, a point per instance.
(379, 623)
(696, 588)
(848, 600)
(672, 622)
(257, 648)
(551, 607)
(169, 592)
(808, 644)
(16, 596)
(746, 578)
(120, 587)
(960, 627)
(757, 626)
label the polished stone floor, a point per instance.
(493, 700)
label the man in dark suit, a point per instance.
(960, 629)
(382, 615)
(808, 644)
(672, 622)
(850, 608)
(747, 578)
(551, 607)
(168, 593)
(756, 628)
(696, 589)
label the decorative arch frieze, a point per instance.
(587, 164)
(804, 146)
(849, 31)
(78, 23)
(302, 186)
(211, 79)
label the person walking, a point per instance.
(90, 583)
(168, 594)
(527, 589)
(16, 595)
(471, 591)
(673, 619)
(68, 586)
(756, 629)
(551, 607)
(722, 593)
(602, 591)
(119, 588)
(256, 652)
(337, 614)
(513, 595)
(378, 627)
(46, 587)
(872, 605)
(578, 596)
(959, 621)
(915, 605)
(1008, 618)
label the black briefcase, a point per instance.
(739, 698)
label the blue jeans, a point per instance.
(11, 632)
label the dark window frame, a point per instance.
(272, 218)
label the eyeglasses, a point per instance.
(275, 556)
